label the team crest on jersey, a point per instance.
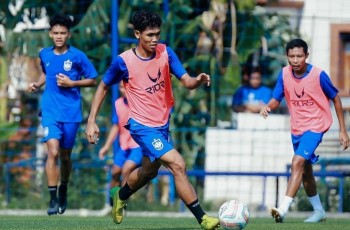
(157, 144)
(67, 65)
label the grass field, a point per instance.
(104, 223)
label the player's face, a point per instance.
(148, 39)
(297, 59)
(60, 35)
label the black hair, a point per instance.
(297, 43)
(144, 19)
(62, 20)
(256, 69)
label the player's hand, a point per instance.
(344, 139)
(203, 78)
(92, 133)
(33, 87)
(264, 112)
(63, 80)
(102, 152)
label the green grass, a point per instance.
(104, 223)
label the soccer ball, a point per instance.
(233, 214)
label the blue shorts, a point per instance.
(64, 132)
(154, 141)
(305, 145)
(120, 156)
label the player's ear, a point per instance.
(137, 34)
(50, 34)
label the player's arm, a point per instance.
(178, 70)
(65, 81)
(193, 82)
(332, 92)
(92, 131)
(277, 96)
(343, 135)
(34, 86)
(110, 139)
(273, 104)
(114, 74)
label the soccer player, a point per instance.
(146, 72)
(127, 153)
(64, 67)
(308, 90)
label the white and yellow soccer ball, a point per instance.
(233, 214)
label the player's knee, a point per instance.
(298, 164)
(53, 153)
(179, 167)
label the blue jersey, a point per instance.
(248, 95)
(327, 87)
(63, 104)
(118, 70)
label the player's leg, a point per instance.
(319, 214)
(69, 132)
(297, 170)
(52, 136)
(65, 171)
(140, 177)
(128, 167)
(115, 182)
(304, 147)
(119, 158)
(177, 166)
(133, 161)
(116, 173)
(136, 180)
(52, 174)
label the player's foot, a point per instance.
(118, 206)
(317, 216)
(53, 208)
(62, 199)
(277, 214)
(210, 223)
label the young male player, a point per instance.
(146, 72)
(307, 90)
(64, 67)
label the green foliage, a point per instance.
(6, 129)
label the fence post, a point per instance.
(277, 191)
